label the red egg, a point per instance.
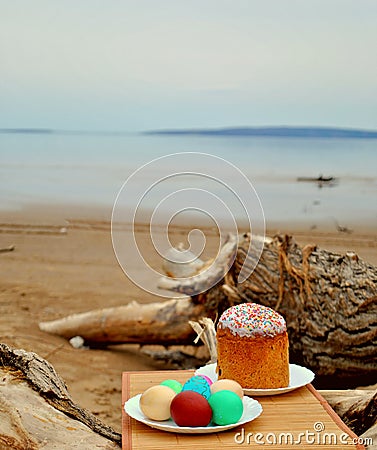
(190, 409)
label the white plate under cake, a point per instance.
(298, 377)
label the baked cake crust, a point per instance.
(252, 347)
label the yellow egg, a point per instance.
(155, 402)
(229, 385)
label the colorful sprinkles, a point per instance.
(251, 319)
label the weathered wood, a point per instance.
(209, 275)
(29, 383)
(328, 300)
(36, 410)
(358, 409)
(10, 248)
(175, 359)
(206, 332)
(181, 263)
(153, 323)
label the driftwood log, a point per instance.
(153, 323)
(328, 300)
(358, 409)
(36, 410)
(10, 248)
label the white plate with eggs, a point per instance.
(251, 410)
(298, 377)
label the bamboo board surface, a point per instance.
(294, 412)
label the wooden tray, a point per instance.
(295, 412)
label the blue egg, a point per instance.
(198, 384)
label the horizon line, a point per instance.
(261, 131)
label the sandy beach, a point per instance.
(63, 263)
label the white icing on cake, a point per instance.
(252, 320)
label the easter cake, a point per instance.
(252, 347)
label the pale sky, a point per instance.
(135, 65)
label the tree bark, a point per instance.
(38, 412)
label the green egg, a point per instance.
(226, 406)
(173, 384)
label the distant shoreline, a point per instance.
(281, 132)
(271, 131)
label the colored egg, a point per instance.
(198, 384)
(229, 385)
(173, 384)
(155, 402)
(206, 378)
(226, 406)
(190, 409)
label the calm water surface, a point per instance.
(90, 169)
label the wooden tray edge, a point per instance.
(334, 416)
